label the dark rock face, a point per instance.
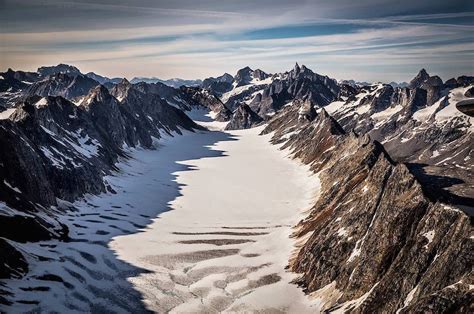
(373, 242)
(421, 126)
(466, 107)
(299, 83)
(54, 149)
(218, 85)
(243, 76)
(11, 259)
(65, 85)
(243, 118)
(22, 76)
(419, 79)
(202, 98)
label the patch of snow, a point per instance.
(353, 304)
(410, 296)
(43, 102)
(11, 187)
(450, 111)
(424, 114)
(342, 232)
(429, 235)
(58, 163)
(7, 113)
(390, 111)
(334, 106)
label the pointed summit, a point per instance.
(423, 72)
(297, 68)
(243, 76)
(98, 94)
(124, 81)
(418, 80)
(120, 91)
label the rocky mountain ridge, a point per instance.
(373, 242)
(418, 123)
(70, 147)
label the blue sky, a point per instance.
(363, 40)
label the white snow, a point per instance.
(7, 113)
(342, 232)
(429, 235)
(58, 163)
(425, 113)
(11, 186)
(237, 90)
(390, 111)
(334, 106)
(224, 195)
(410, 296)
(41, 103)
(215, 186)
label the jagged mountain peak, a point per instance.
(423, 73)
(98, 94)
(307, 111)
(419, 79)
(245, 69)
(121, 90)
(60, 68)
(296, 68)
(124, 81)
(243, 118)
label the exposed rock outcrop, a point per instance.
(243, 118)
(61, 84)
(202, 98)
(54, 149)
(373, 242)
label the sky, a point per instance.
(365, 40)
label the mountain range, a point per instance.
(391, 231)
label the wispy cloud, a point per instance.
(170, 39)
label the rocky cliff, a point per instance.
(373, 241)
(53, 149)
(243, 118)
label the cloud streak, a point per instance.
(168, 39)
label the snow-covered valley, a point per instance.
(202, 223)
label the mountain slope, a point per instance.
(373, 241)
(69, 149)
(421, 126)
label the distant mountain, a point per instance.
(60, 68)
(62, 84)
(354, 83)
(174, 82)
(395, 84)
(103, 79)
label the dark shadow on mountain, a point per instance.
(84, 273)
(442, 187)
